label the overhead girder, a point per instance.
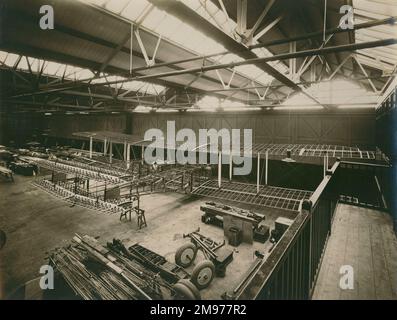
(104, 66)
(177, 8)
(305, 53)
(183, 12)
(162, 81)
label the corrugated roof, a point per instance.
(384, 59)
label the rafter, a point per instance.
(114, 52)
(366, 74)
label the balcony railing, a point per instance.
(291, 269)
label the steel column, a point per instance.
(110, 152)
(231, 167)
(90, 147)
(266, 165)
(219, 169)
(128, 149)
(258, 172)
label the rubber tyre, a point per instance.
(192, 288)
(180, 255)
(203, 274)
(183, 292)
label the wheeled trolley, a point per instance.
(217, 258)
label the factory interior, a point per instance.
(198, 150)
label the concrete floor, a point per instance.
(364, 239)
(36, 222)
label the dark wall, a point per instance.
(293, 175)
(64, 126)
(334, 128)
(24, 127)
(20, 128)
(343, 128)
(386, 127)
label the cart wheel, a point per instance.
(183, 292)
(185, 255)
(203, 274)
(192, 288)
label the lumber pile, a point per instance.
(95, 272)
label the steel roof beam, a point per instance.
(365, 74)
(49, 55)
(94, 65)
(274, 42)
(285, 56)
(180, 10)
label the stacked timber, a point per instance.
(94, 272)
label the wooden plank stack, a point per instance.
(94, 272)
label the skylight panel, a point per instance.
(339, 92)
(138, 86)
(84, 74)
(230, 57)
(202, 12)
(169, 26)
(375, 63)
(134, 9)
(53, 68)
(264, 78)
(378, 33)
(3, 56)
(251, 70)
(133, 85)
(23, 65)
(220, 17)
(56, 69)
(154, 19)
(211, 8)
(116, 6)
(370, 10)
(373, 7)
(11, 59)
(97, 2)
(217, 17)
(208, 103)
(49, 68)
(142, 109)
(180, 32)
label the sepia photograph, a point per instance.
(221, 151)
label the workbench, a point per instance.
(232, 217)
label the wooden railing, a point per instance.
(291, 269)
